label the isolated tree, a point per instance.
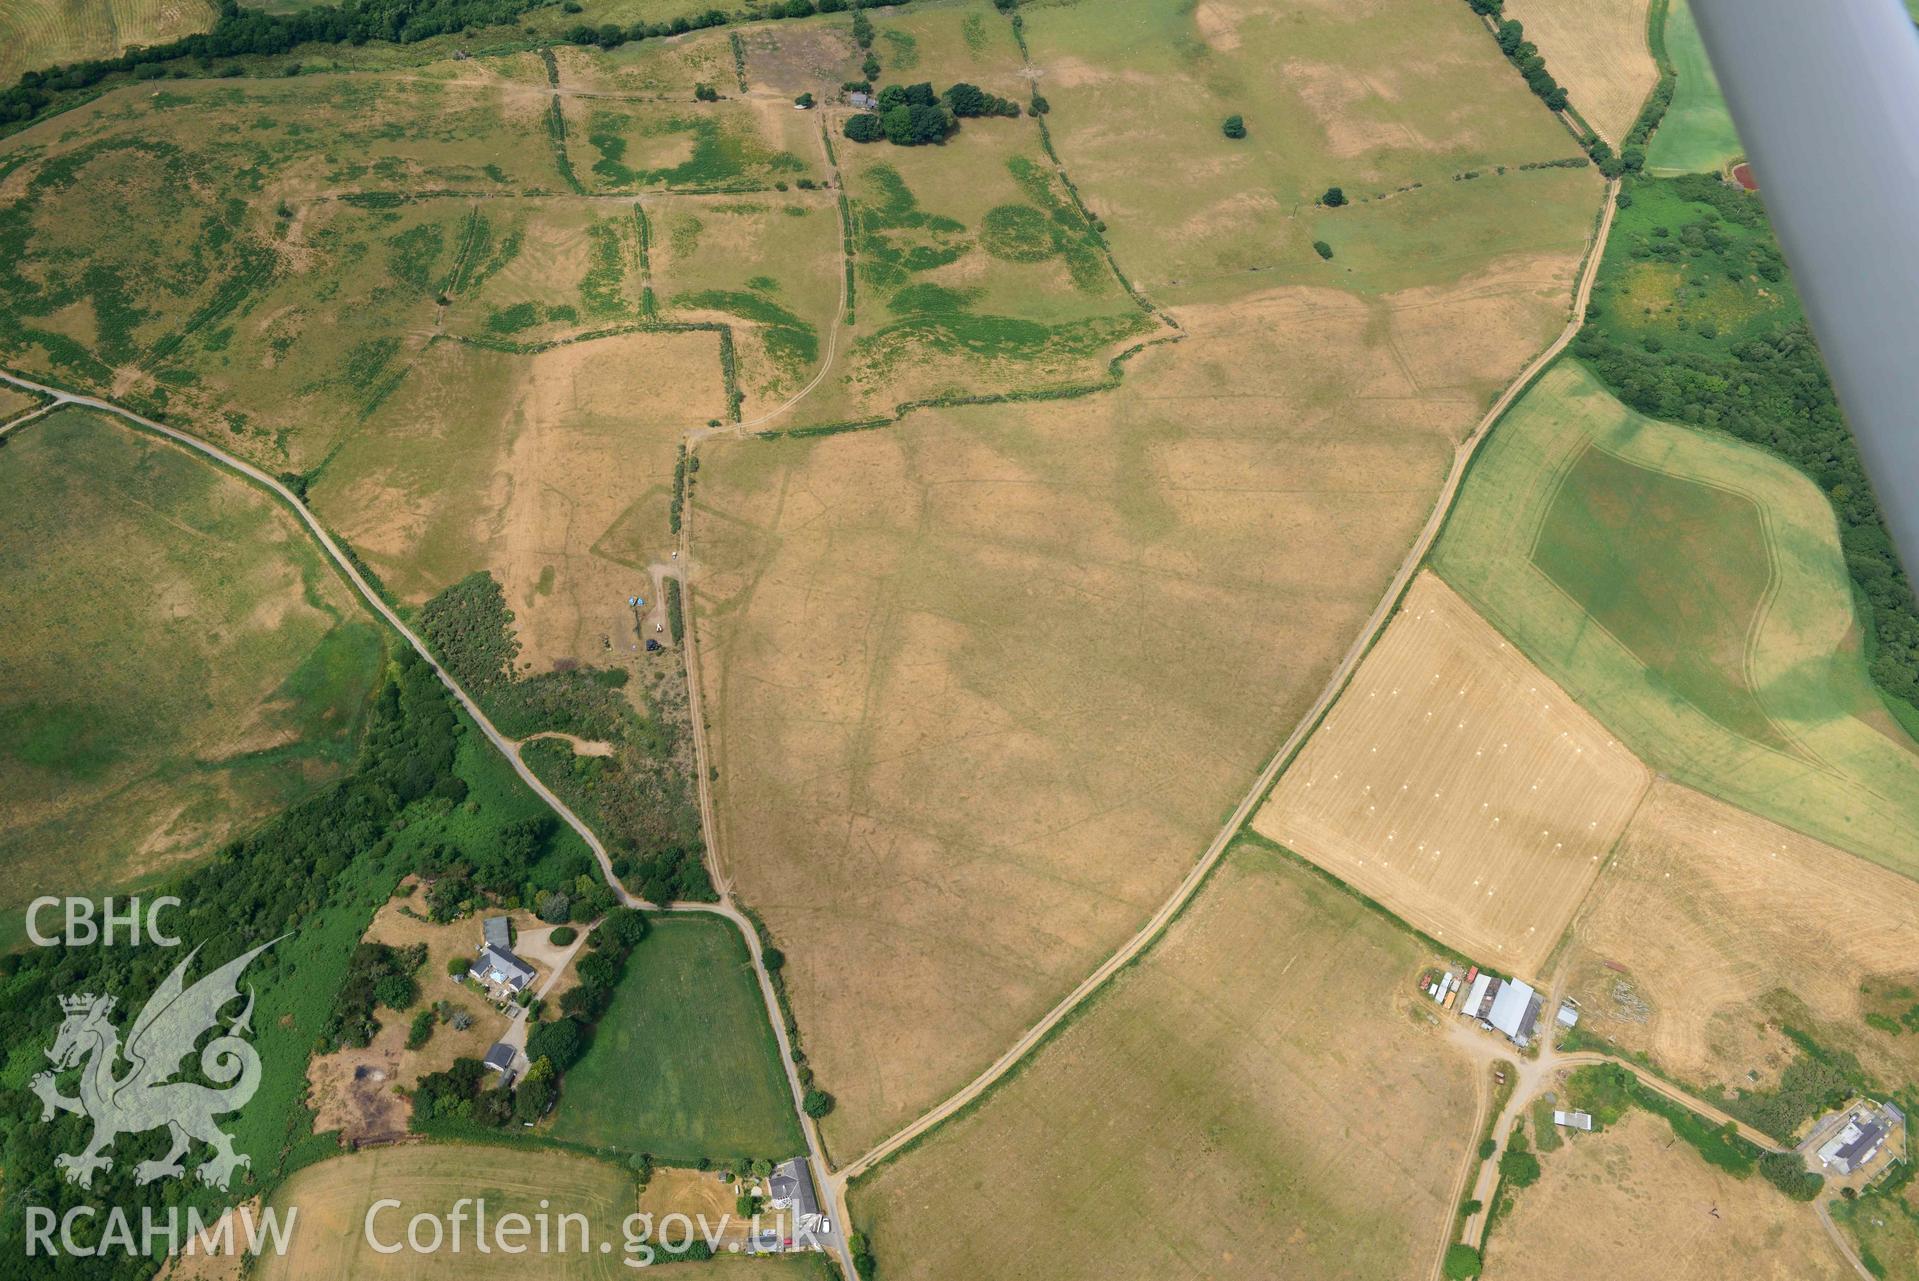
(804, 102)
(1323, 249)
(817, 1103)
(1233, 127)
(706, 93)
(1333, 198)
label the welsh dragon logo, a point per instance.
(146, 1098)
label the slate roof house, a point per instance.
(496, 965)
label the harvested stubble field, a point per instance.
(36, 34)
(553, 470)
(329, 1241)
(1598, 50)
(1029, 655)
(1261, 1095)
(1632, 1204)
(1697, 135)
(1457, 785)
(1711, 926)
(1394, 102)
(180, 662)
(1619, 553)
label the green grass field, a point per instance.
(180, 663)
(1681, 277)
(684, 1064)
(1678, 571)
(1697, 135)
(1631, 576)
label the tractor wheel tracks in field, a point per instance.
(507, 747)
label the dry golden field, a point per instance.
(1394, 101)
(1718, 921)
(1598, 50)
(554, 470)
(983, 683)
(1264, 1094)
(329, 1241)
(37, 34)
(1458, 786)
(1631, 1204)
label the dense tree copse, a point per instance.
(1770, 389)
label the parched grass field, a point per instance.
(356, 1089)
(1885, 1232)
(684, 1064)
(553, 470)
(1394, 102)
(1030, 655)
(1598, 50)
(1261, 1095)
(527, 271)
(1620, 553)
(1697, 135)
(665, 68)
(737, 144)
(1711, 927)
(245, 255)
(1458, 786)
(14, 403)
(974, 274)
(768, 264)
(36, 34)
(329, 1241)
(1632, 1204)
(181, 663)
